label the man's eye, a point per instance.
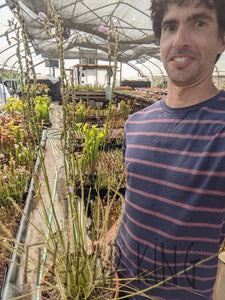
(200, 24)
(169, 28)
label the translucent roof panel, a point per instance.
(81, 21)
(8, 43)
(83, 39)
(7, 48)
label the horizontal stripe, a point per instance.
(168, 288)
(173, 151)
(190, 292)
(153, 264)
(151, 246)
(170, 219)
(202, 279)
(175, 203)
(147, 110)
(167, 251)
(178, 121)
(170, 236)
(184, 288)
(176, 135)
(128, 285)
(133, 262)
(158, 248)
(146, 258)
(133, 277)
(177, 186)
(216, 111)
(174, 168)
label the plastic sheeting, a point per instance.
(8, 47)
(81, 22)
(82, 38)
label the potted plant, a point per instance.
(77, 269)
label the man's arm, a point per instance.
(110, 236)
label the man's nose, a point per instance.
(181, 38)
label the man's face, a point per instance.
(189, 43)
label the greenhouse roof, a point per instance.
(86, 26)
(82, 20)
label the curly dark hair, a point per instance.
(159, 7)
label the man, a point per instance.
(173, 221)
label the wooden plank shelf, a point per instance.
(92, 98)
(137, 102)
(96, 98)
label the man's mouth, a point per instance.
(180, 58)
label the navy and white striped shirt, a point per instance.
(173, 220)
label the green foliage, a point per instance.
(14, 105)
(92, 139)
(15, 159)
(14, 183)
(125, 108)
(9, 75)
(81, 112)
(42, 110)
(97, 111)
(110, 170)
(87, 87)
(41, 107)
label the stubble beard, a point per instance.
(182, 77)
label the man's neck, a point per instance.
(183, 96)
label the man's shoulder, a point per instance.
(216, 105)
(221, 97)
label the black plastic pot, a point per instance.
(89, 195)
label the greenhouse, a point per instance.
(72, 73)
(85, 26)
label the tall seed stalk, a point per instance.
(27, 72)
(28, 92)
(115, 32)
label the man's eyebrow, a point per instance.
(198, 16)
(169, 22)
